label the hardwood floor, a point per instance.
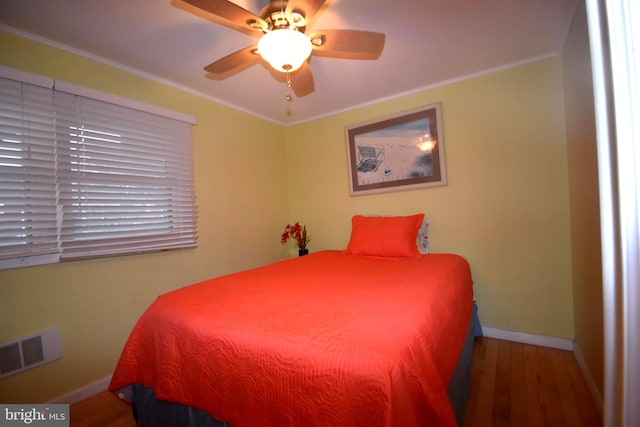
(101, 410)
(512, 384)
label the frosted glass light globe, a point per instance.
(284, 49)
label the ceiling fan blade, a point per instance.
(349, 44)
(306, 8)
(233, 63)
(302, 81)
(224, 12)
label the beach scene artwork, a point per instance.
(393, 153)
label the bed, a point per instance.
(332, 338)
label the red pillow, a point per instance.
(385, 236)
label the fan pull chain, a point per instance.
(288, 95)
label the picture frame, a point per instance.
(402, 151)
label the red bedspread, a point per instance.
(328, 339)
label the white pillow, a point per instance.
(422, 240)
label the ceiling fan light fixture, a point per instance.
(284, 49)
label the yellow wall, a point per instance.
(505, 208)
(585, 208)
(95, 303)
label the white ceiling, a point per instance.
(428, 42)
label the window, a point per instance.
(81, 177)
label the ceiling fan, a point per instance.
(281, 26)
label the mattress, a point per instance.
(325, 339)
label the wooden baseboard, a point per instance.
(83, 392)
(541, 340)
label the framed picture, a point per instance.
(403, 151)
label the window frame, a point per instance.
(183, 168)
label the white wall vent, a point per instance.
(29, 351)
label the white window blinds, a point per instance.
(102, 179)
(28, 195)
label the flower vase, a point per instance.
(302, 252)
